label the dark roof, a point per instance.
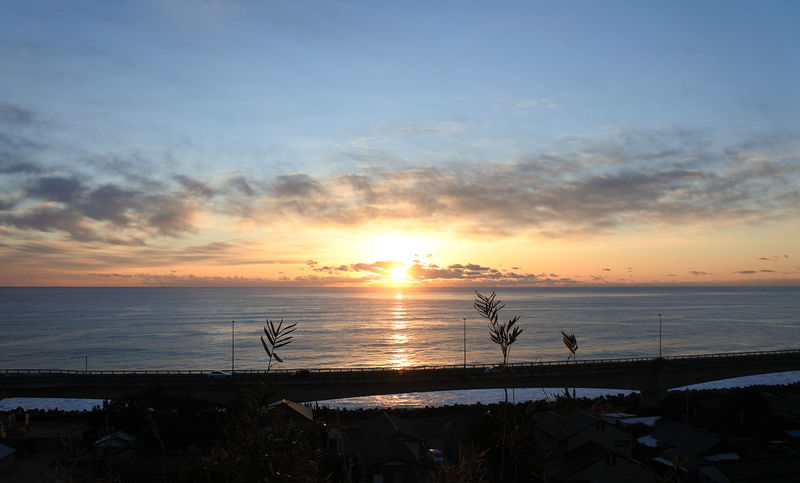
(298, 408)
(584, 456)
(114, 438)
(385, 440)
(782, 468)
(783, 405)
(578, 459)
(563, 427)
(6, 451)
(386, 425)
(377, 449)
(685, 438)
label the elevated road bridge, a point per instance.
(652, 377)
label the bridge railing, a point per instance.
(723, 356)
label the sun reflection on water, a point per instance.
(399, 337)
(400, 358)
(399, 320)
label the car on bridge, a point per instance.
(218, 374)
(497, 369)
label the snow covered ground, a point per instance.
(49, 403)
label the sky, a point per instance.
(364, 143)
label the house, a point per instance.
(788, 407)
(690, 446)
(115, 447)
(596, 463)
(625, 419)
(389, 449)
(7, 455)
(778, 469)
(560, 434)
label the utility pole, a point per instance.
(86, 364)
(233, 325)
(659, 335)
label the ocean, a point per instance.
(193, 328)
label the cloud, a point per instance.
(87, 204)
(698, 273)
(195, 187)
(240, 185)
(380, 267)
(18, 146)
(63, 255)
(9, 165)
(181, 280)
(430, 273)
(469, 266)
(746, 272)
(7, 203)
(170, 215)
(109, 202)
(13, 114)
(296, 185)
(596, 190)
(70, 206)
(773, 258)
(48, 218)
(530, 106)
(441, 128)
(596, 185)
(55, 188)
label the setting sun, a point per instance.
(398, 275)
(398, 246)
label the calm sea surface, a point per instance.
(190, 328)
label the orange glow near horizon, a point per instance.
(398, 275)
(397, 246)
(399, 259)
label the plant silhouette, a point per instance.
(502, 334)
(572, 345)
(278, 336)
(571, 342)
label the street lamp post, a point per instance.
(659, 335)
(465, 343)
(233, 325)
